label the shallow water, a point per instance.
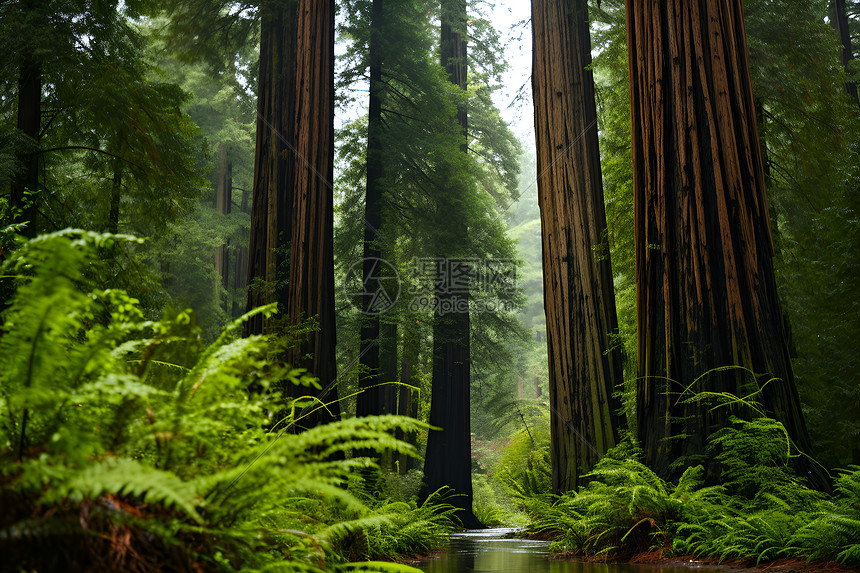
(490, 550)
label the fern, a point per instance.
(126, 445)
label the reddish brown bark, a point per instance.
(291, 245)
(578, 290)
(706, 292)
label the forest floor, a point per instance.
(787, 565)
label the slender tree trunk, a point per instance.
(29, 123)
(706, 293)
(842, 28)
(369, 401)
(449, 453)
(240, 273)
(291, 246)
(223, 204)
(406, 404)
(579, 295)
(115, 196)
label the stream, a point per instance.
(491, 550)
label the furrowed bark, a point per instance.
(311, 273)
(578, 290)
(706, 293)
(291, 244)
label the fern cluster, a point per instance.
(127, 445)
(758, 512)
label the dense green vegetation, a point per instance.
(131, 445)
(142, 428)
(758, 513)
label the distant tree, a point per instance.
(376, 348)
(707, 296)
(449, 460)
(584, 368)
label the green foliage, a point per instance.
(126, 444)
(759, 512)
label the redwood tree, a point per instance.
(449, 451)
(578, 291)
(291, 246)
(369, 401)
(706, 294)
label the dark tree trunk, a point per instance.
(240, 273)
(449, 451)
(274, 161)
(29, 123)
(579, 295)
(291, 244)
(115, 196)
(388, 367)
(369, 401)
(841, 22)
(706, 293)
(406, 404)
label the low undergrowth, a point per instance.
(759, 513)
(127, 445)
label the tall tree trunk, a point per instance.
(115, 196)
(579, 295)
(406, 404)
(706, 293)
(449, 451)
(842, 28)
(291, 244)
(369, 401)
(223, 204)
(240, 272)
(29, 123)
(274, 161)
(311, 278)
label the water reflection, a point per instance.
(490, 550)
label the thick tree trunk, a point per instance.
(449, 451)
(578, 291)
(311, 277)
(369, 401)
(291, 244)
(707, 296)
(29, 123)
(274, 161)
